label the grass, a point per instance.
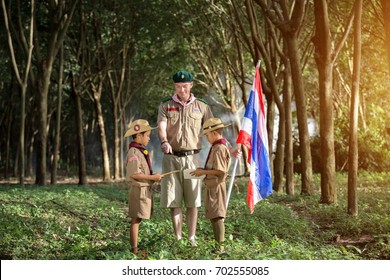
(90, 222)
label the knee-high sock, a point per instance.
(218, 229)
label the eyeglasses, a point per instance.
(183, 85)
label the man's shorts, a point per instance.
(174, 187)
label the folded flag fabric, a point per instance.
(253, 135)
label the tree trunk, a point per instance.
(279, 154)
(324, 62)
(43, 91)
(304, 140)
(116, 144)
(353, 143)
(80, 135)
(58, 120)
(289, 157)
(100, 120)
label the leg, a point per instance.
(177, 220)
(134, 234)
(192, 218)
(219, 231)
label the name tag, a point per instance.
(173, 109)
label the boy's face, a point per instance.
(211, 136)
(144, 138)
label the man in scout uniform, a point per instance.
(216, 171)
(180, 120)
(140, 176)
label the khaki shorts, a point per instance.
(215, 201)
(140, 202)
(174, 187)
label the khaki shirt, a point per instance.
(136, 164)
(219, 159)
(184, 124)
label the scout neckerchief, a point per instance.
(144, 152)
(177, 99)
(219, 141)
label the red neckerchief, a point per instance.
(219, 141)
(144, 152)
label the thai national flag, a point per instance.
(253, 135)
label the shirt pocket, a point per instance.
(195, 119)
(173, 117)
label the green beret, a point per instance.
(182, 77)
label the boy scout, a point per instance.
(180, 120)
(140, 176)
(216, 170)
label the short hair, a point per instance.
(135, 135)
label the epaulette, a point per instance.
(165, 99)
(201, 99)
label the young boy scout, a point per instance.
(140, 176)
(216, 170)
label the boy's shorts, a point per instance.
(140, 202)
(174, 187)
(215, 201)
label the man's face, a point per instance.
(183, 90)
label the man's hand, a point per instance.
(166, 148)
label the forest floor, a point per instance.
(67, 221)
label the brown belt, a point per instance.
(186, 153)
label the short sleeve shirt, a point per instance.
(184, 124)
(219, 159)
(136, 164)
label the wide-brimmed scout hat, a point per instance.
(138, 126)
(211, 125)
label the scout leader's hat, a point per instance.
(211, 125)
(138, 126)
(182, 77)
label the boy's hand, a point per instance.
(198, 172)
(157, 177)
(236, 152)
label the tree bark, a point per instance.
(80, 134)
(304, 139)
(97, 92)
(324, 62)
(289, 157)
(58, 120)
(353, 124)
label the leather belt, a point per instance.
(185, 153)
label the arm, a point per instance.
(162, 131)
(201, 171)
(140, 176)
(162, 134)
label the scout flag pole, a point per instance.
(231, 182)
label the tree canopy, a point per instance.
(118, 58)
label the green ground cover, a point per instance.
(81, 223)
